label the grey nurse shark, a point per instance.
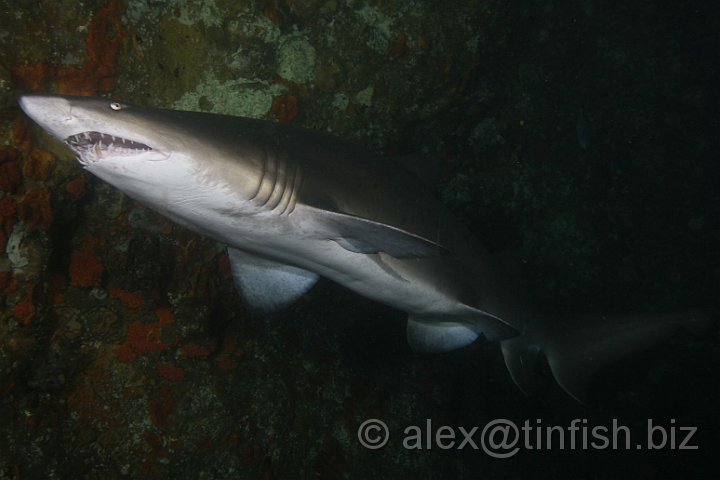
(293, 205)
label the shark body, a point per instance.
(293, 205)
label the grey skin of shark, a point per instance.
(292, 205)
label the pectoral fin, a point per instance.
(360, 235)
(268, 286)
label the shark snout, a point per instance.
(38, 106)
(49, 111)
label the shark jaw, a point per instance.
(95, 130)
(91, 147)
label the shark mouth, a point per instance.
(94, 146)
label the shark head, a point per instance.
(98, 130)
(183, 164)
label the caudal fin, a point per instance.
(576, 349)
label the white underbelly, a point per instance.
(394, 282)
(409, 285)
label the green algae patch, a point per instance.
(296, 59)
(247, 98)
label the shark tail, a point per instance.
(576, 348)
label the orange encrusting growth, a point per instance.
(86, 268)
(38, 164)
(76, 187)
(8, 209)
(35, 210)
(195, 350)
(10, 177)
(144, 338)
(98, 73)
(25, 310)
(285, 108)
(133, 301)
(170, 372)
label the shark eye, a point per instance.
(117, 106)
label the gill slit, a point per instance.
(262, 178)
(279, 184)
(267, 183)
(278, 188)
